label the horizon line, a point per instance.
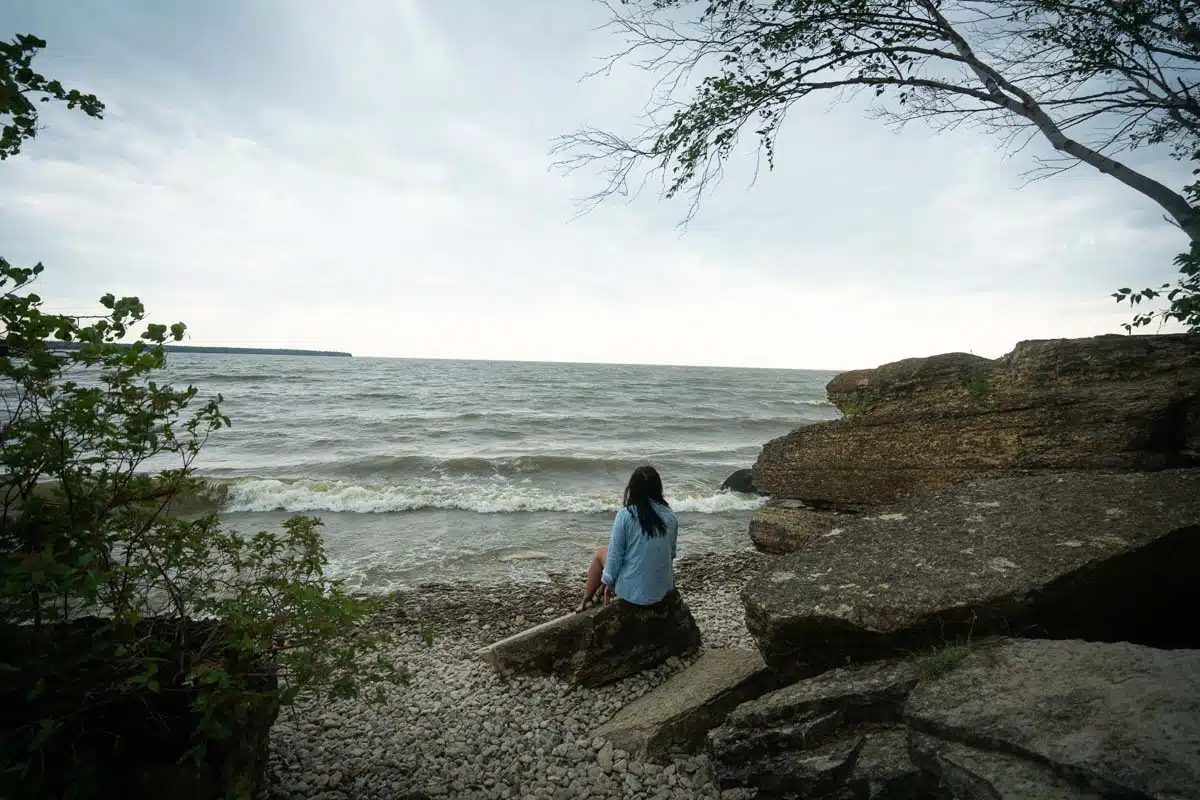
(533, 360)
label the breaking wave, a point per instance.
(304, 495)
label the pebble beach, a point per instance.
(456, 730)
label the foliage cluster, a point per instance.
(1183, 297)
(941, 660)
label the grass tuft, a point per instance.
(942, 660)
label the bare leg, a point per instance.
(595, 570)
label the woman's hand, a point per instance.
(608, 594)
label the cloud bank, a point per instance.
(373, 176)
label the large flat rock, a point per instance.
(1099, 556)
(1113, 720)
(1124, 403)
(601, 645)
(677, 716)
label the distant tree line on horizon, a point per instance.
(186, 348)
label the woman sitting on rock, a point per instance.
(637, 564)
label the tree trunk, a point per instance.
(1175, 204)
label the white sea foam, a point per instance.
(259, 495)
(523, 555)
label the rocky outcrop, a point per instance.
(741, 481)
(601, 645)
(785, 526)
(1064, 719)
(1076, 555)
(1011, 720)
(677, 716)
(835, 735)
(1111, 403)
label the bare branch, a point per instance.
(1020, 69)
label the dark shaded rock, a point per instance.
(870, 693)
(116, 740)
(863, 763)
(1076, 555)
(786, 526)
(836, 732)
(1121, 403)
(677, 716)
(601, 645)
(817, 773)
(1117, 719)
(885, 771)
(967, 773)
(740, 481)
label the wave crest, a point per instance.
(549, 464)
(304, 495)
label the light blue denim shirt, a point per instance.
(639, 566)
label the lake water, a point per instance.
(459, 470)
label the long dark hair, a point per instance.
(645, 485)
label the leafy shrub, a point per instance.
(1183, 298)
(93, 454)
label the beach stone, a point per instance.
(1094, 556)
(1117, 717)
(1123, 403)
(605, 757)
(676, 716)
(786, 526)
(601, 645)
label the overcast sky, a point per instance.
(373, 176)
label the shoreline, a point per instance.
(457, 730)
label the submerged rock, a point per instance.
(1096, 556)
(1062, 719)
(678, 715)
(601, 645)
(740, 481)
(1121, 403)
